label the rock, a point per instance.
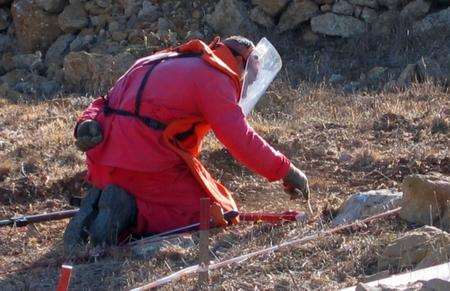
(425, 199)
(82, 42)
(149, 12)
(35, 29)
(297, 12)
(177, 244)
(52, 6)
(429, 70)
(30, 62)
(13, 77)
(73, 18)
(5, 42)
(88, 71)
(365, 204)
(436, 20)
(121, 63)
(271, 7)
(5, 2)
(309, 37)
(351, 87)
(4, 19)
(230, 17)
(385, 22)
(57, 51)
(132, 7)
(326, 8)
(119, 36)
(391, 4)
(49, 88)
(369, 15)
(337, 25)
(7, 62)
(408, 75)
(368, 3)
(194, 35)
(357, 11)
(337, 79)
(376, 74)
(103, 3)
(419, 248)
(343, 7)
(258, 16)
(99, 21)
(92, 8)
(7, 92)
(415, 10)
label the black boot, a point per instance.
(116, 212)
(77, 230)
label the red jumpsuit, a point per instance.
(134, 156)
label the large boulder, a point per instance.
(337, 25)
(271, 7)
(57, 51)
(420, 248)
(52, 6)
(365, 204)
(35, 29)
(230, 17)
(425, 199)
(297, 12)
(415, 10)
(436, 20)
(73, 18)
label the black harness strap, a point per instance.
(148, 121)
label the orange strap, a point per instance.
(189, 149)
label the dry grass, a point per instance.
(344, 142)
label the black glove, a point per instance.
(88, 135)
(296, 184)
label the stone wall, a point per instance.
(82, 46)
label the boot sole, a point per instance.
(116, 209)
(76, 232)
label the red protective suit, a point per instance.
(138, 159)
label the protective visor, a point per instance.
(263, 64)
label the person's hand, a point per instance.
(88, 135)
(296, 183)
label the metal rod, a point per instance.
(203, 275)
(322, 234)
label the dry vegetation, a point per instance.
(344, 142)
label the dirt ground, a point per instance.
(345, 142)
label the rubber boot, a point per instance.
(77, 231)
(116, 212)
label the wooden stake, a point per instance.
(203, 275)
(64, 278)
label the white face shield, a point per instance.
(263, 64)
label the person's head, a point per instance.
(241, 47)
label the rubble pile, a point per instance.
(83, 46)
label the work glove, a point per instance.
(296, 184)
(88, 135)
